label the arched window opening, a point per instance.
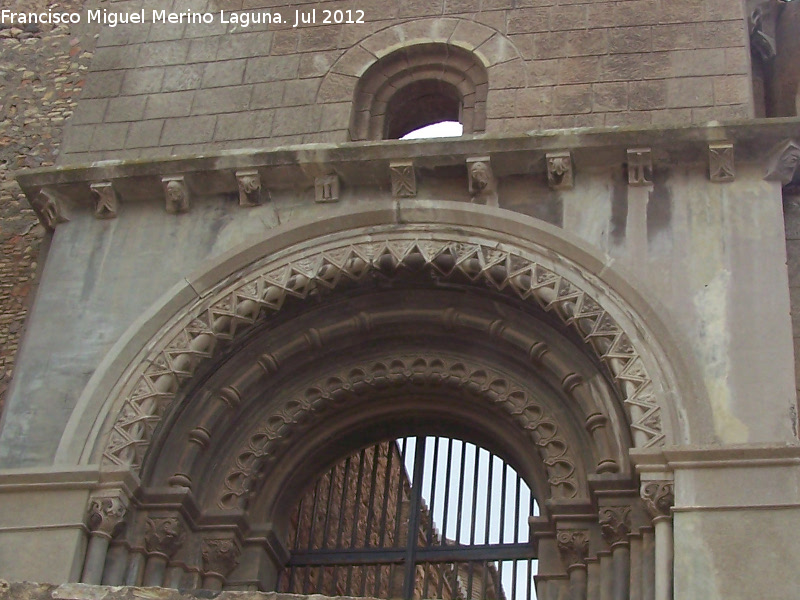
(417, 86)
(420, 104)
(468, 508)
(442, 129)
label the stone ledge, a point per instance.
(79, 591)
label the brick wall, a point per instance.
(159, 89)
(42, 71)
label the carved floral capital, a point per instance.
(615, 524)
(220, 556)
(573, 544)
(106, 515)
(658, 496)
(164, 535)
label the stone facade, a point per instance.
(607, 308)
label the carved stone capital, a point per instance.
(404, 179)
(559, 170)
(658, 496)
(784, 162)
(326, 188)
(720, 162)
(164, 535)
(177, 194)
(49, 208)
(480, 175)
(220, 556)
(106, 515)
(615, 524)
(106, 200)
(573, 544)
(640, 166)
(249, 187)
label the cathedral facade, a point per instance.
(251, 279)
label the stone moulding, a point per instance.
(147, 391)
(334, 390)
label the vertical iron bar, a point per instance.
(489, 499)
(460, 492)
(500, 578)
(300, 510)
(313, 516)
(440, 587)
(413, 521)
(516, 511)
(484, 581)
(447, 490)
(353, 539)
(529, 579)
(386, 492)
(503, 506)
(328, 508)
(476, 467)
(342, 505)
(373, 482)
(398, 512)
(434, 466)
(470, 569)
(514, 580)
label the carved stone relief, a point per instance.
(326, 188)
(784, 162)
(658, 496)
(474, 379)
(164, 535)
(640, 166)
(573, 545)
(176, 194)
(615, 524)
(404, 179)
(106, 200)
(106, 515)
(720, 162)
(559, 170)
(49, 208)
(249, 187)
(220, 555)
(231, 311)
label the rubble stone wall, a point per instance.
(42, 72)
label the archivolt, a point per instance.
(260, 289)
(402, 371)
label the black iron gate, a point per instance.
(467, 507)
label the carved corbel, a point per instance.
(50, 208)
(481, 178)
(615, 524)
(640, 166)
(559, 170)
(249, 187)
(658, 496)
(327, 188)
(220, 556)
(176, 193)
(720, 162)
(164, 536)
(107, 514)
(573, 545)
(404, 179)
(784, 162)
(106, 200)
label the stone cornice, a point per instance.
(702, 457)
(367, 164)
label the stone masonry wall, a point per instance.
(161, 89)
(42, 71)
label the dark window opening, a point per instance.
(420, 104)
